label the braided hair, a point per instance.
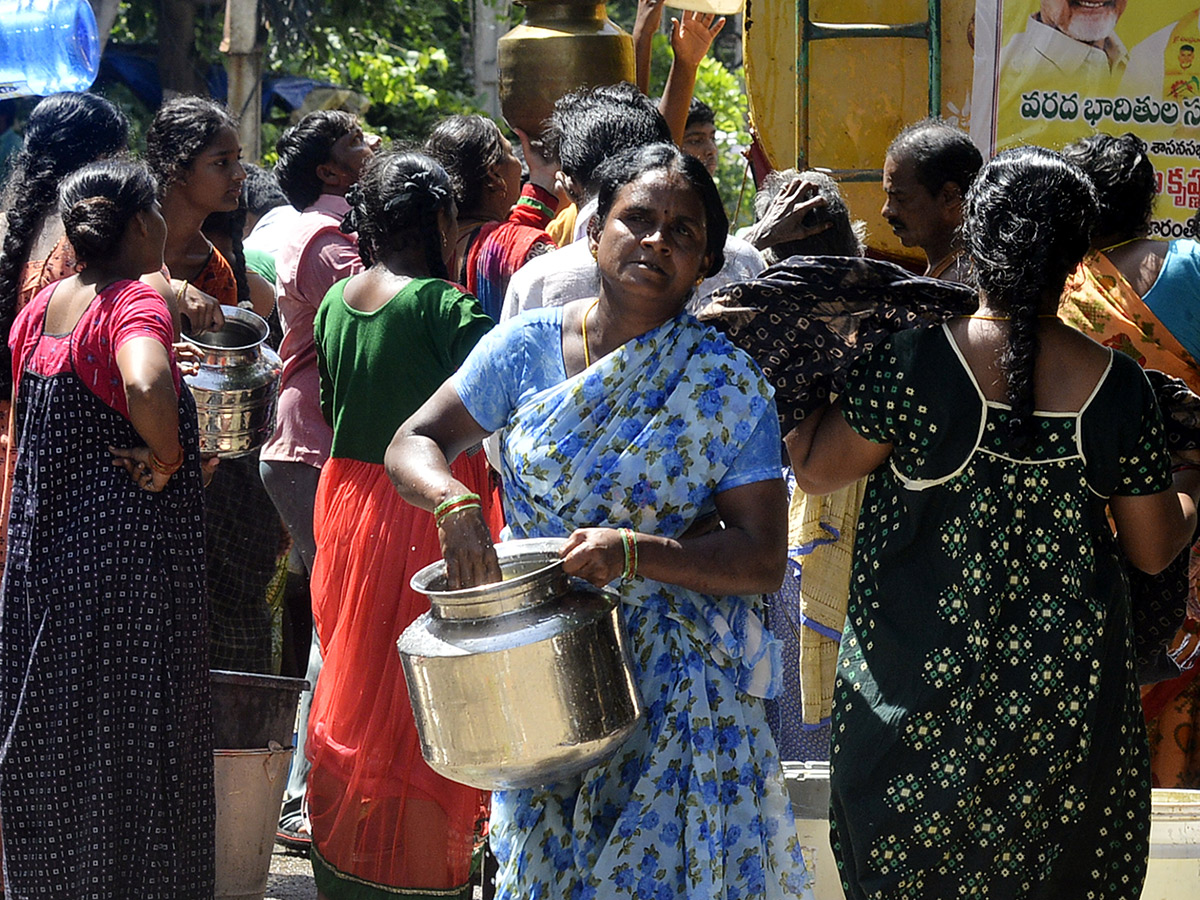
(181, 129)
(64, 132)
(232, 224)
(1027, 224)
(396, 202)
(99, 201)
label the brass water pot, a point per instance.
(561, 46)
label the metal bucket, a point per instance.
(1174, 872)
(808, 787)
(250, 711)
(237, 387)
(520, 683)
(249, 791)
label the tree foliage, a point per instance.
(411, 60)
(409, 67)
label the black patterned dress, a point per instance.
(106, 767)
(987, 732)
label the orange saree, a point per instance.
(1101, 303)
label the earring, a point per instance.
(699, 280)
(594, 249)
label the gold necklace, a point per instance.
(1118, 245)
(587, 355)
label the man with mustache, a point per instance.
(1068, 45)
(926, 174)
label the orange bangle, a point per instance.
(163, 468)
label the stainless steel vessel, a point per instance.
(520, 683)
(237, 387)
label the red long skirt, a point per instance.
(379, 813)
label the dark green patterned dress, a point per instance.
(987, 735)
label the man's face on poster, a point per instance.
(1186, 56)
(1090, 21)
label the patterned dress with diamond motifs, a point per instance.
(987, 736)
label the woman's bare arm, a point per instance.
(145, 370)
(748, 555)
(1155, 528)
(418, 463)
(827, 454)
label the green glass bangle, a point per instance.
(629, 545)
(443, 516)
(446, 504)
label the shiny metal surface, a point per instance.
(562, 45)
(237, 387)
(521, 683)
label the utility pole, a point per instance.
(240, 44)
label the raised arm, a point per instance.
(649, 17)
(543, 168)
(418, 463)
(690, 40)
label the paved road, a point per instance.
(291, 877)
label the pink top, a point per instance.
(122, 311)
(315, 258)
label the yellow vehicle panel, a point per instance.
(861, 91)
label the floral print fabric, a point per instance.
(693, 804)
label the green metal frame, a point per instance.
(930, 31)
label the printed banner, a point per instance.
(1050, 71)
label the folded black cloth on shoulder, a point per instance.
(1180, 409)
(807, 319)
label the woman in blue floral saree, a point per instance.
(625, 423)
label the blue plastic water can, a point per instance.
(47, 46)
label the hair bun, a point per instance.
(90, 206)
(420, 193)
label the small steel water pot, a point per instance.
(520, 683)
(237, 387)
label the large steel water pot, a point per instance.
(562, 45)
(237, 387)
(520, 683)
